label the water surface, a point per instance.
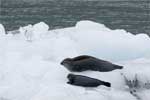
(133, 16)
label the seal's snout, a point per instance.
(62, 62)
(70, 78)
(66, 61)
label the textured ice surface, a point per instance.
(30, 70)
(2, 30)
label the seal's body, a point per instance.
(85, 81)
(84, 63)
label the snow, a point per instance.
(2, 30)
(34, 32)
(30, 62)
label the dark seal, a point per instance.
(84, 63)
(84, 81)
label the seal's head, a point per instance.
(70, 78)
(66, 61)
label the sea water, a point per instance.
(131, 15)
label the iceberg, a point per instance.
(2, 30)
(40, 29)
(34, 32)
(97, 40)
(32, 70)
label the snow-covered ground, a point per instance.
(30, 62)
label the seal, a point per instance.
(84, 63)
(84, 81)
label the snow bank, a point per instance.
(138, 68)
(40, 29)
(31, 70)
(114, 45)
(97, 40)
(2, 30)
(34, 32)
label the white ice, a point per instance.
(2, 30)
(34, 32)
(30, 62)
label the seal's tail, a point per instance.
(118, 67)
(107, 84)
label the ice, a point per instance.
(40, 29)
(34, 32)
(30, 62)
(111, 44)
(97, 40)
(2, 30)
(90, 25)
(27, 32)
(145, 95)
(139, 67)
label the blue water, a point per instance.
(133, 16)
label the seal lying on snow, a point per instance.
(85, 81)
(84, 62)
